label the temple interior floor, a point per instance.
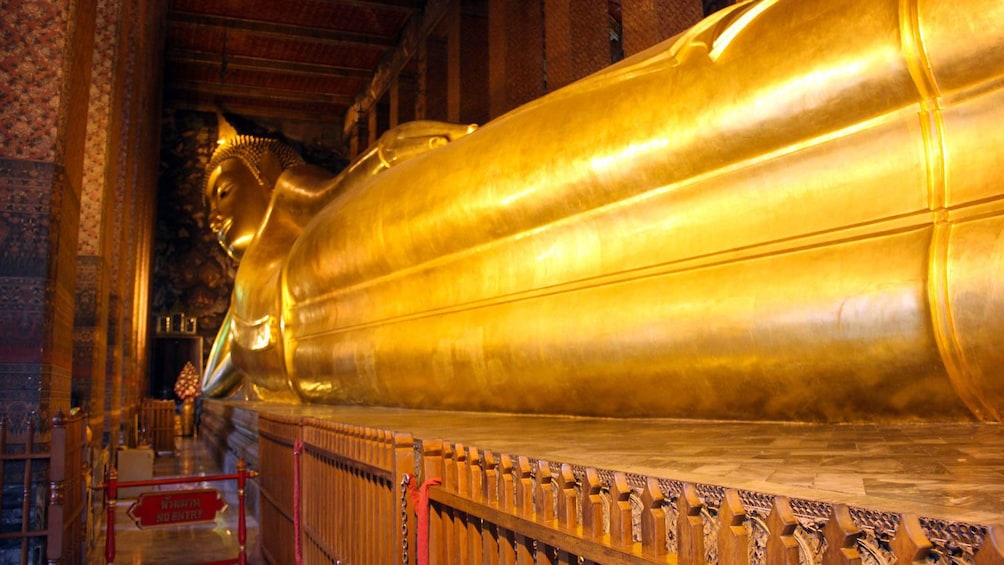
(180, 545)
(952, 471)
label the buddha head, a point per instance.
(240, 177)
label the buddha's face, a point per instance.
(237, 205)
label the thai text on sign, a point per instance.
(176, 507)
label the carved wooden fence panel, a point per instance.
(354, 505)
(494, 508)
(342, 487)
(277, 437)
(67, 490)
(157, 423)
(42, 480)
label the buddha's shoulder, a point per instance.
(304, 179)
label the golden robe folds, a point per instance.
(793, 211)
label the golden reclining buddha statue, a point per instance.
(792, 211)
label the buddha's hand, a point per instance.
(414, 138)
(221, 377)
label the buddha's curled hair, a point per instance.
(249, 149)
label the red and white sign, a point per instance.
(174, 507)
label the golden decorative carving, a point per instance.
(792, 211)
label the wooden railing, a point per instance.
(156, 422)
(47, 468)
(276, 484)
(348, 502)
(349, 472)
(494, 508)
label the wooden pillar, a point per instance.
(474, 62)
(372, 126)
(422, 80)
(138, 238)
(394, 95)
(407, 93)
(354, 142)
(497, 56)
(577, 39)
(114, 230)
(647, 22)
(90, 322)
(516, 53)
(128, 228)
(437, 76)
(453, 93)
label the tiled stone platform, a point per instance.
(944, 472)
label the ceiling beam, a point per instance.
(187, 57)
(278, 30)
(230, 90)
(396, 5)
(256, 110)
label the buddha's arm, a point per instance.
(400, 144)
(301, 192)
(221, 377)
(412, 139)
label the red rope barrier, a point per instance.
(297, 549)
(420, 498)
